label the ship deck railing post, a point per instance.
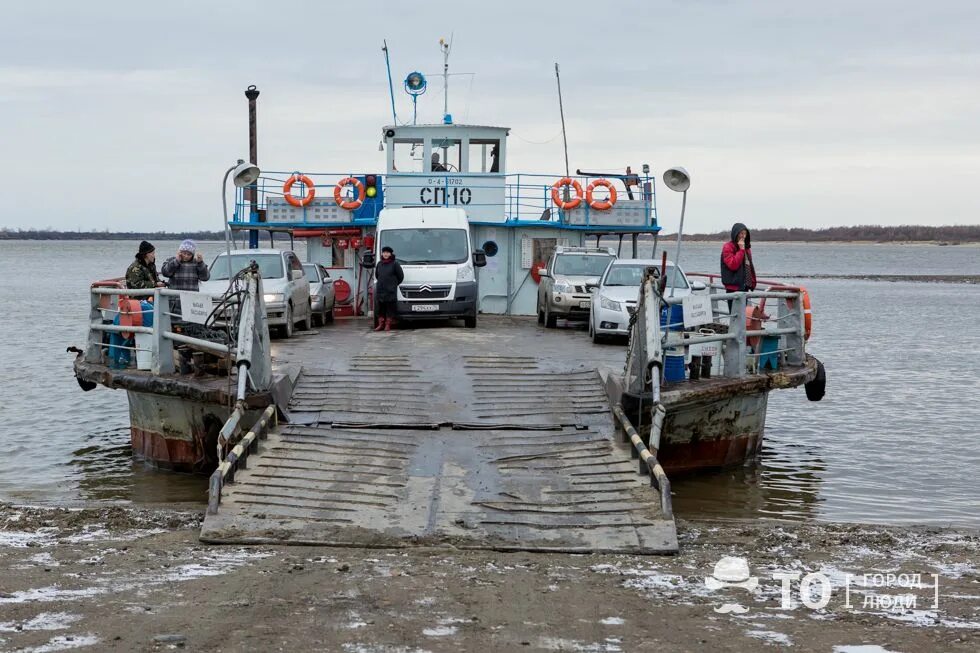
(162, 361)
(93, 351)
(790, 316)
(735, 347)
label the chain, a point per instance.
(629, 342)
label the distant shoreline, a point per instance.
(70, 236)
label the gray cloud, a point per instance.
(121, 115)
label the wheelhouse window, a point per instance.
(485, 155)
(446, 155)
(407, 155)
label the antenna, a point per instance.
(561, 109)
(391, 88)
(446, 48)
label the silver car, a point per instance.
(614, 300)
(284, 285)
(322, 295)
(566, 284)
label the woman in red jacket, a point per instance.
(737, 270)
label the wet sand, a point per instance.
(139, 580)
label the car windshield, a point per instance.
(632, 275)
(581, 265)
(418, 246)
(270, 265)
(311, 272)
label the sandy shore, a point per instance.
(139, 580)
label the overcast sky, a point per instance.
(124, 115)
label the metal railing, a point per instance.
(238, 457)
(787, 324)
(490, 197)
(251, 354)
(647, 459)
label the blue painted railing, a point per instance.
(527, 199)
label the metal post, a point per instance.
(561, 110)
(680, 234)
(736, 349)
(445, 47)
(224, 206)
(93, 352)
(252, 94)
(792, 318)
(391, 88)
(163, 348)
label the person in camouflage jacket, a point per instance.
(142, 273)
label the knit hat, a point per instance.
(387, 249)
(146, 248)
(187, 246)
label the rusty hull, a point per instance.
(208, 389)
(174, 419)
(174, 433)
(712, 423)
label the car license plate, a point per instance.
(584, 304)
(425, 308)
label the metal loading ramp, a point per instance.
(493, 452)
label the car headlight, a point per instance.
(609, 304)
(561, 287)
(272, 298)
(464, 273)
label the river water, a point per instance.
(895, 441)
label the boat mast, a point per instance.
(445, 47)
(391, 88)
(564, 138)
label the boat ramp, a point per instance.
(500, 438)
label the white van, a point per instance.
(435, 249)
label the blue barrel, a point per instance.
(676, 317)
(147, 308)
(673, 368)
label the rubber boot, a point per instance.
(381, 324)
(388, 324)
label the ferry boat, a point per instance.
(508, 434)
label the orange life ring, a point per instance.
(601, 205)
(310, 190)
(130, 315)
(536, 271)
(350, 205)
(807, 313)
(572, 203)
(341, 291)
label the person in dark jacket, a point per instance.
(737, 269)
(187, 269)
(389, 276)
(142, 273)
